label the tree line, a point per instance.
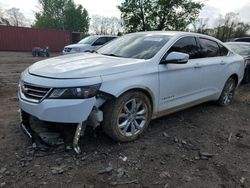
(13, 17)
(136, 15)
(227, 27)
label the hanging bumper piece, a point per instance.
(38, 142)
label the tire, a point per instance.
(34, 53)
(246, 78)
(127, 117)
(227, 94)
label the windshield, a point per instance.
(88, 40)
(241, 49)
(138, 46)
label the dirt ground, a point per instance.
(175, 151)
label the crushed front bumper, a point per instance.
(39, 143)
(58, 111)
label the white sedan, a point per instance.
(88, 44)
(130, 81)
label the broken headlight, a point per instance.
(84, 92)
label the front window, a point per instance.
(88, 40)
(100, 41)
(186, 45)
(138, 46)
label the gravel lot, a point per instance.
(205, 146)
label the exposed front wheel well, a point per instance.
(235, 77)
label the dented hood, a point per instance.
(83, 65)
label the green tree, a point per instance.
(146, 15)
(227, 27)
(62, 14)
(76, 18)
(230, 26)
(200, 25)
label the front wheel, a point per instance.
(127, 117)
(34, 53)
(227, 94)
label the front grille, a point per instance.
(67, 49)
(33, 92)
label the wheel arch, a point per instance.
(235, 77)
(144, 90)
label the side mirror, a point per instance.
(176, 58)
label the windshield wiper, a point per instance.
(93, 51)
(113, 55)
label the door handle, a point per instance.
(197, 66)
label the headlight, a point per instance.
(75, 93)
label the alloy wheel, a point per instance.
(132, 117)
(229, 93)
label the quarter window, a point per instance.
(223, 50)
(186, 45)
(209, 48)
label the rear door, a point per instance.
(212, 65)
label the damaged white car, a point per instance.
(128, 82)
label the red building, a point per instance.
(24, 39)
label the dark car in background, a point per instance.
(243, 49)
(241, 39)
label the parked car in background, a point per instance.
(241, 39)
(129, 81)
(88, 44)
(243, 49)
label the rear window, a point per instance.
(209, 48)
(241, 49)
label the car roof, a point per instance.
(178, 34)
(104, 36)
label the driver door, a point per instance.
(180, 84)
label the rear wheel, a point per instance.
(127, 117)
(227, 94)
(246, 78)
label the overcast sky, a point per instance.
(109, 7)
